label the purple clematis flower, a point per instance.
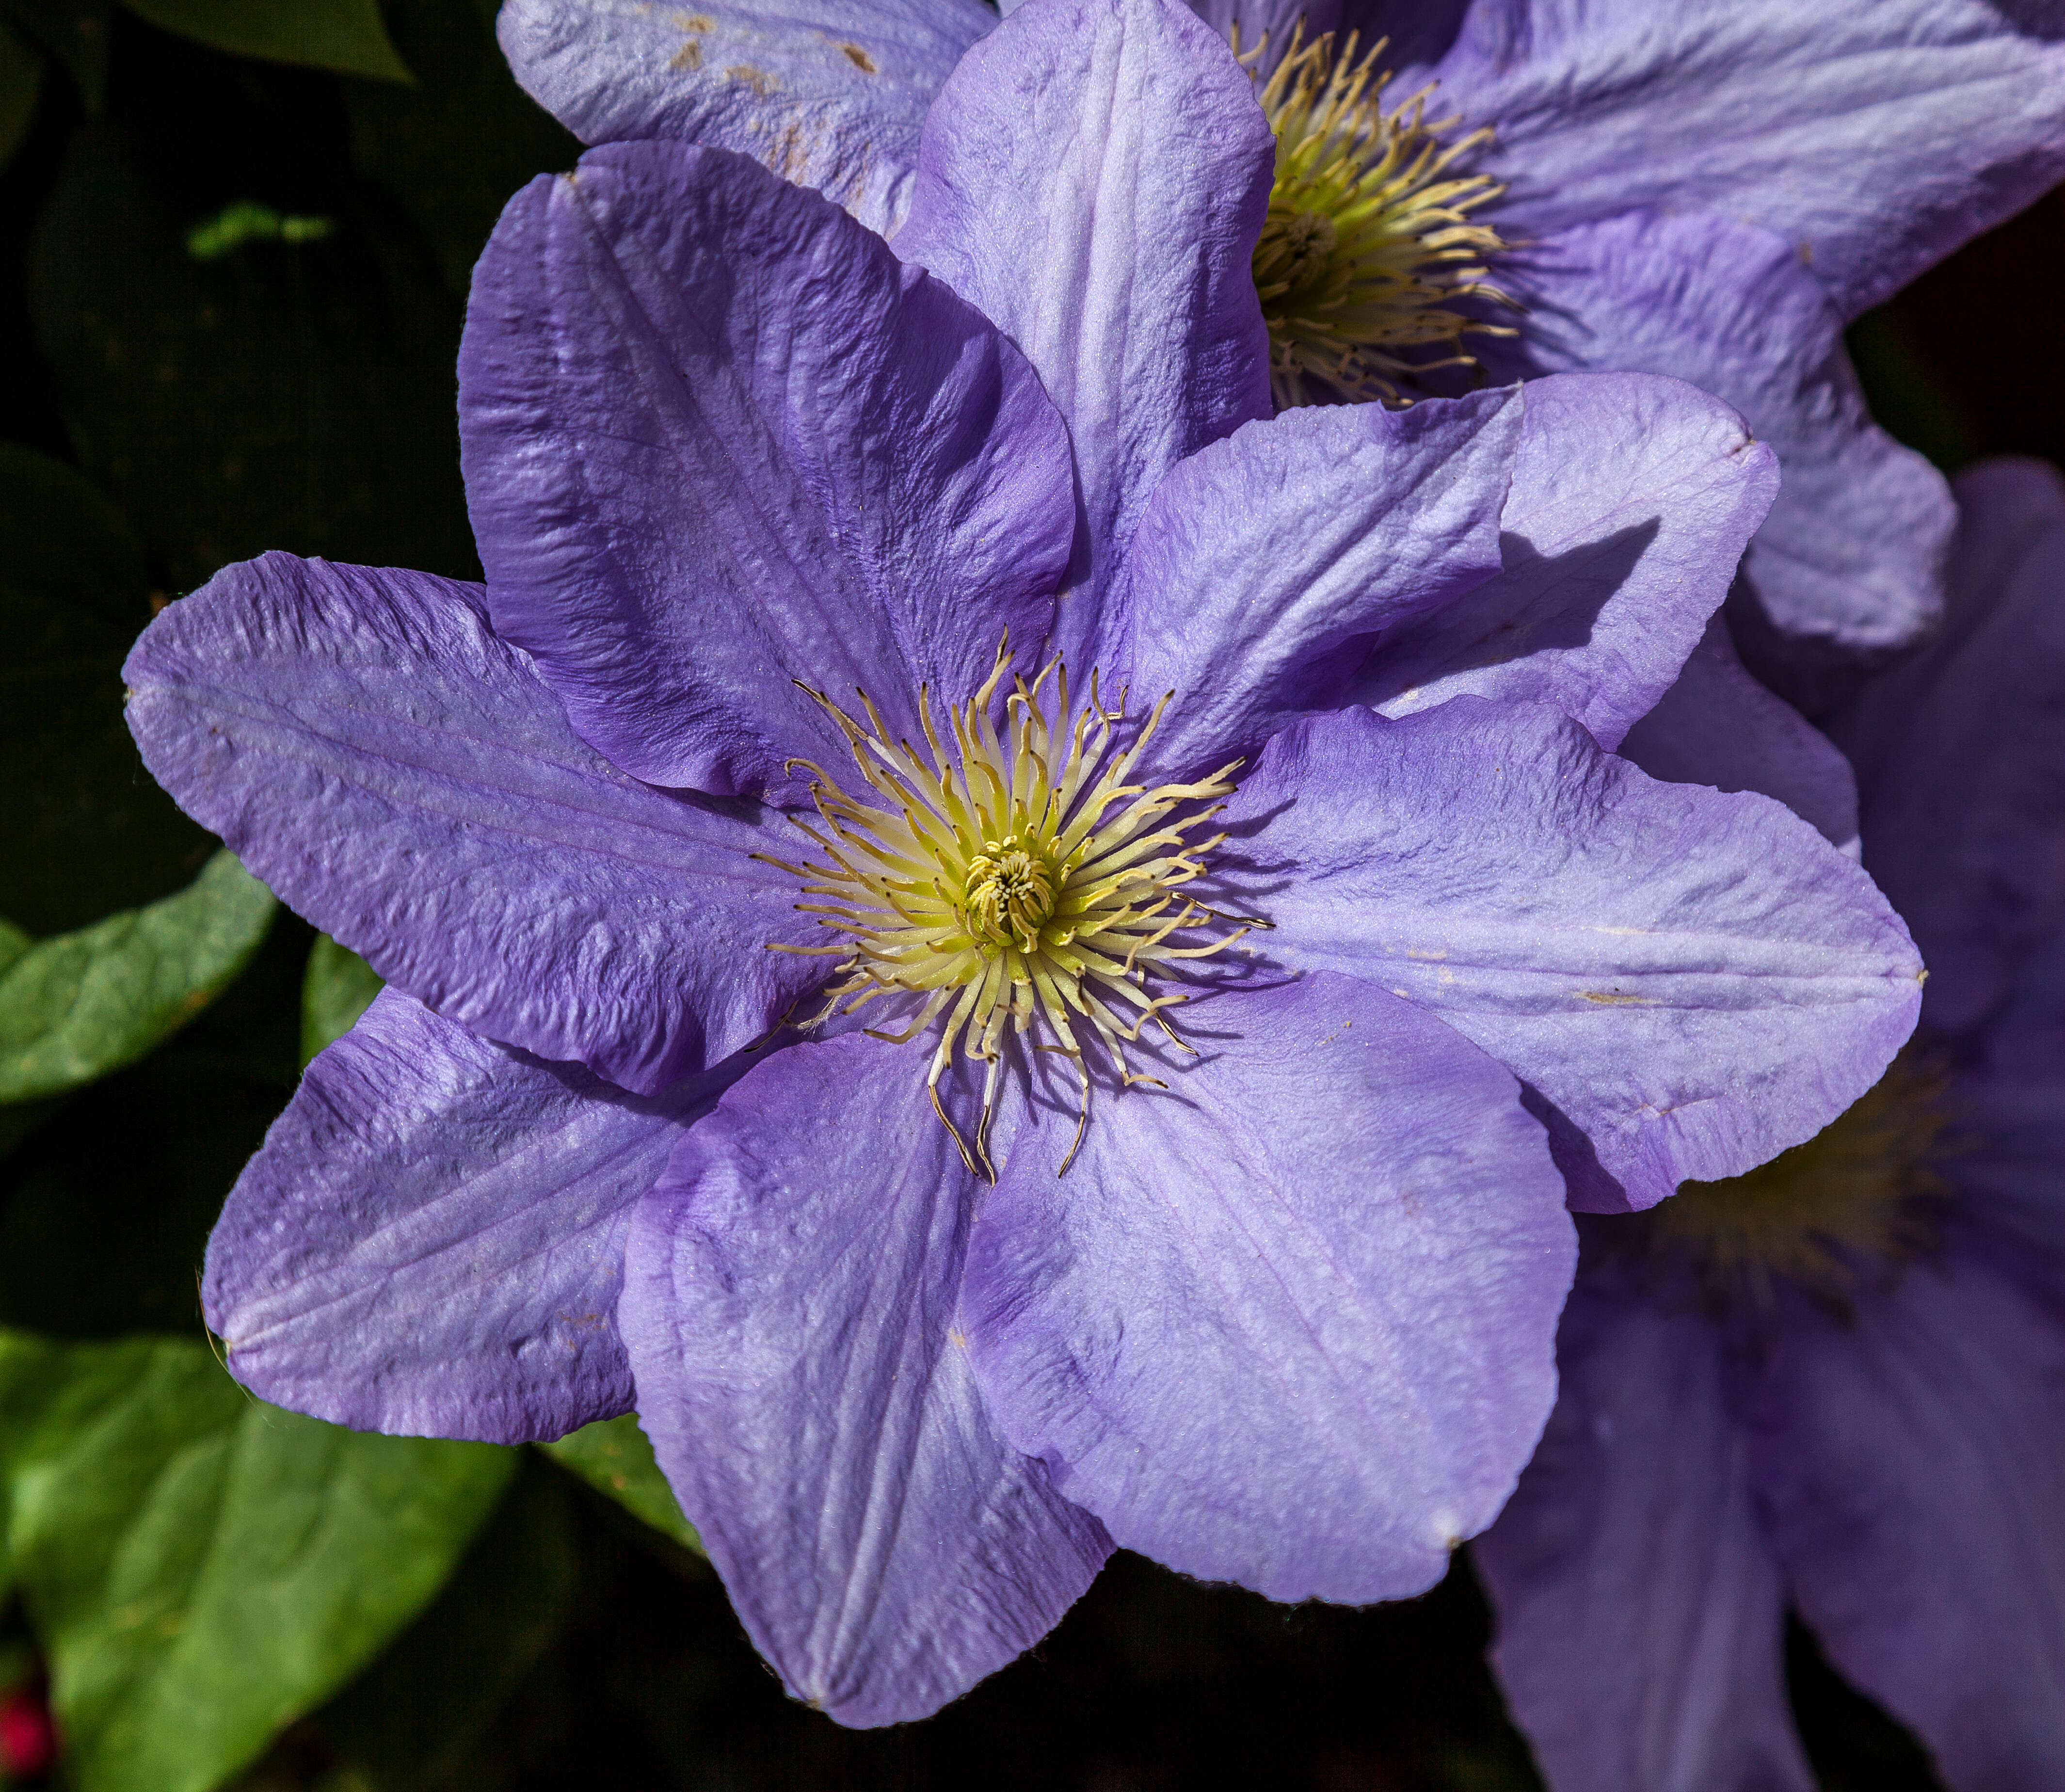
(1710, 191)
(1839, 1383)
(988, 685)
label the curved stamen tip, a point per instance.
(1014, 883)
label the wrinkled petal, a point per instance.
(400, 775)
(821, 92)
(1289, 1323)
(1718, 726)
(1631, 500)
(718, 440)
(1093, 178)
(1640, 1619)
(1265, 562)
(431, 1242)
(1911, 1460)
(1851, 554)
(1873, 136)
(789, 1306)
(1695, 980)
(1961, 756)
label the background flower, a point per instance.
(1713, 195)
(1837, 1388)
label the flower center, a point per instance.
(1860, 1191)
(1369, 246)
(1020, 882)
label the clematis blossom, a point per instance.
(1838, 1384)
(1711, 191)
(811, 877)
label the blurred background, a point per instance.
(234, 238)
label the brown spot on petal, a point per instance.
(859, 58)
(689, 56)
(761, 82)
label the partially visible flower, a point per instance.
(1838, 1382)
(1711, 191)
(761, 508)
(28, 1735)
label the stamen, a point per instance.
(1368, 244)
(1022, 885)
(1860, 1195)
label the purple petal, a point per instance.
(2010, 1140)
(1852, 552)
(1911, 1460)
(1093, 177)
(789, 1306)
(1640, 1616)
(718, 440)
(1718, 726)
(1631, 498)
(1267, 23)
(1264, 563)
(822, 92)
(1289, 1323)
(1873, 136)
(400, 776)
(1695, 980)
(1961, 753)
(432, 1241)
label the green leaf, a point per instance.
(453, 150)
(33, 1393)
(245, 220)
(61, 538)
(345, 35)
(294, 396)
(74, 33)
(21, 80)
(339, 988)
(419, 1713)
(88, 832)
(76, 1007)
(1906, 400)
(614, 1456)
(201, 1569)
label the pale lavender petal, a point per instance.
(1717, 726)
(1093, 178)
(399, 774)
(718, 440)
(1640, 1618)
(1631, 500)
(789, 1306)
(1961, 758)
(431, 1242)
(1873, 136)
(1910, 1457)
(1290, 1323)
(1851, 554)
(822, 92)
(1695, 980)
(1265, 563)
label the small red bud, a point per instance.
(28, 1739)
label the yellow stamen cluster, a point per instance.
(1020, 882)
(1368, 244)
(1861, 1191)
